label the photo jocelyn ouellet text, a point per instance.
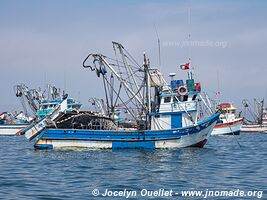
(127, 193)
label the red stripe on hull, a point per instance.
(228, 124)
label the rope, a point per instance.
(233, 133)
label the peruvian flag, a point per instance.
(185, 66)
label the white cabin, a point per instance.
(177, 107)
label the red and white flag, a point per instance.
(185, 66)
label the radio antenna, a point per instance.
(158, 45)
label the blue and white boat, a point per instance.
(47, 106)
(163, 115)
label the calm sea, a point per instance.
(222, 165)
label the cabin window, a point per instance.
(194, 97)
(45, 107)
(167, 99)
(185, 98)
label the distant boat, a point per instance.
(163, 115)
(10, 125)
(39, 105)
(259, 124)
(228, 123)
(11, 129)
(47, 106)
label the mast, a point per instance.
(148, 98)
(191, 68)
(218, 93)
(159, 53)
(158, 46)
(261, 111)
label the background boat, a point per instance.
(258, 115)
(10, 123)
(229, 123)
(36, 105)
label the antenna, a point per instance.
(158, 45)
(191, 70)
(189, 34)
(45, 82)
(64, 79)
(218, 86)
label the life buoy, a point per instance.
(182, 90)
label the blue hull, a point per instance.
(149, 139)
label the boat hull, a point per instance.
(193, 136)
(254, 128)
(11, 129)
(231, 128)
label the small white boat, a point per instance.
(228, 123)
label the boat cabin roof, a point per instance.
(168, 94)
(227, 106)
(57, 101)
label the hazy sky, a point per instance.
(40, 41)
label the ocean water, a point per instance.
(221, 165)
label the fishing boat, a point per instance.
(40, 103)
(47, 106)
(11, 129)
(163, 115)
(35, 102)
(30, 100)
(259, 124)
(10, 124)
(228, 123)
